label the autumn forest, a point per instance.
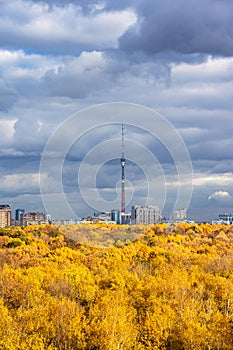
(116, 287)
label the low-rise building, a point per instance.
(32, 218)
(125, 218)
(224, 219)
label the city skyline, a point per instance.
(58, 58)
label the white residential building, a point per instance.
(179, 215)
(145, 214)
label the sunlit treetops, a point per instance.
(105, 286)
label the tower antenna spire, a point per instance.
(122, 175)
(123, 141)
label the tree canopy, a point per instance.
(116, 287)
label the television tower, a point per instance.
(122, 175)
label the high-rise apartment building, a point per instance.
(115, 216)
(145, 214)
(18, 212)
(5, 215)
(179, 215)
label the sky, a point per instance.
(71, 72)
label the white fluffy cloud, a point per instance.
(57, 28)
(18, 183)
(6, 132)
(220, 195)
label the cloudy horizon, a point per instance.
(60, 57)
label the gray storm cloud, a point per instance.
(185, 27)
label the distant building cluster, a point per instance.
(150, 214)
(139, 215)
(21, 218)
(146, 215)
(224, 219)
